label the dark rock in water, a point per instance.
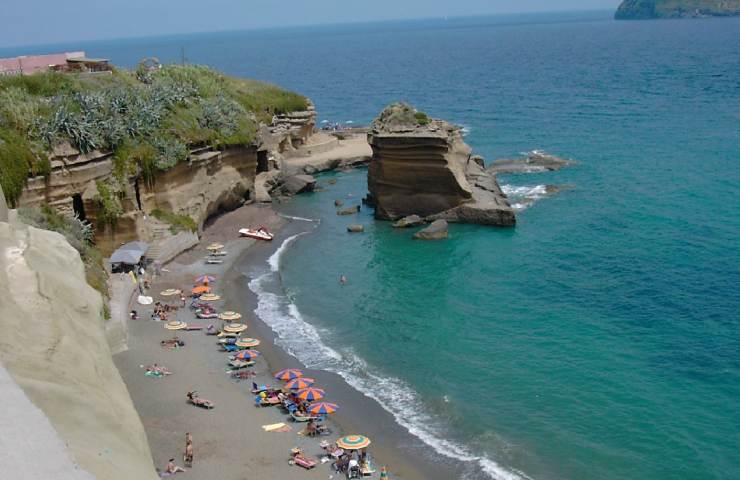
(438, 230)
(410, 221)
(421, 166)
(355, 228)
(338, 203)
(534, 161)
(332, 181)
(296, 184)
(349, 210)
(368, 200)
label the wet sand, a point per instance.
(229, 441)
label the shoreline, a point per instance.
(204, 361)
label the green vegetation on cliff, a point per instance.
(149, 118)
(647, 9)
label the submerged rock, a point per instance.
(438, 230)
(296, 184)
(349, 210)
(355, 228)
(410, 221)
(533, 162)
(422, 166)
(338, 203)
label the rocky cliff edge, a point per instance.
(54, 346)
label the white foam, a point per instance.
(302, 340)
(274, 260)
(537, 191)
(301, 219)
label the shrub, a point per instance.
(109, 205)
(177, 222)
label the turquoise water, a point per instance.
(599, 339)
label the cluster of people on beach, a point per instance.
(297, 397)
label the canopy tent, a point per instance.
(130, 253)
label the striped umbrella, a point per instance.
(310, 394)
(229, 316)
(201, 289)
(299, 383)
(288, 374)
(247, 354)
(205, 279)
(235, 328)
(353, 442)
(210, 297)
(322, 408)
(175, 325)
(247, 343)
(214, 246)
(170, 292)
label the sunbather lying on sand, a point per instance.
(158, 369)
(172, 469)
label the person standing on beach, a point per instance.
(188, 456)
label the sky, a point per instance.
(33, 22)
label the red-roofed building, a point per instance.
(29, 64)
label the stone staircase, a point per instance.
(160, 234)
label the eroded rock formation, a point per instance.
(54, 346)
(422, 166)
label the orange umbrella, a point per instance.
(299, 383)
(201, 289)
(311, 394)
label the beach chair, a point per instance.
(301, 418)
(259, 388)
(229, 347)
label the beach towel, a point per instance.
(277, 427)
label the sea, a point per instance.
(599, 339)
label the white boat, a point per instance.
(260, 234)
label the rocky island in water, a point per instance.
(422, 166)
(650, 9)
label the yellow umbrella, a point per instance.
(353, 442)
(170, 292)
(230, 316)
(214, 246)
(247, 343)
(210, 297)
(235, 328)
(175, 325)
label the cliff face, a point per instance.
(54, 346)
(650, 9)
(208, 181)
(423, 167)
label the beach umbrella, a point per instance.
(201, 289)
(353, 442)
(205, 279)
(310, 394)
(299, 383)
(247, 342)
(322, 408)
(170, 292)
(229, 316)
(175, 325)
(209, 297)
(247, 354)
(235, 328)
(214, 246)
(288, 374)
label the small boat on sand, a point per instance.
(260, 234)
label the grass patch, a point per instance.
(178, 223)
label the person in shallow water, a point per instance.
(342, 279)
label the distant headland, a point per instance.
(649, 9)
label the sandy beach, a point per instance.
(229, 441)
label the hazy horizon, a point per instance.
(45, 22)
